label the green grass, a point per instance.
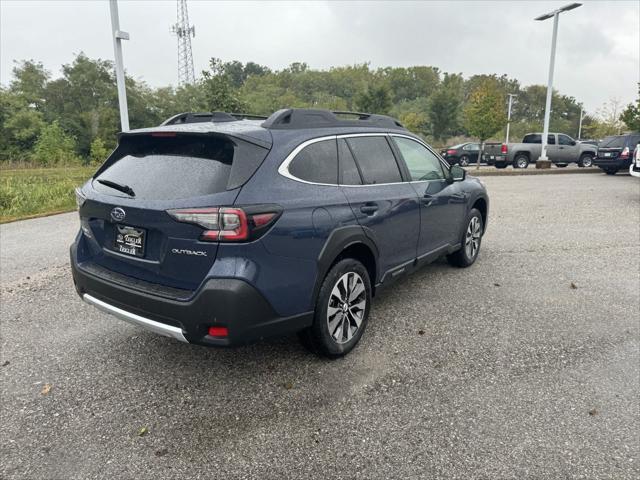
(32, 192)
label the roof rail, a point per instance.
(294, 118)
(248, 116)
(216, 117)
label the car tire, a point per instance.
(501, 165)
(521, 161)
(470, 241)
(337, 328)
(464, 161)
(562, 165)
(585, 161)
(611, 171)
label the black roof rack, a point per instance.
(294, 118)
(216, 117)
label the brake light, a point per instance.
(504, 149)
(451, 152)
(163, 134)
(625, 153)
(227, 224)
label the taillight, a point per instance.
(228, 224)
(504, 149)
(451, 152)
(625, 153)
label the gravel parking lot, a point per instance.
(523, 366)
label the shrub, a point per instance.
(98, 152)
(54, 147)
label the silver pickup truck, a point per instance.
(561, 150)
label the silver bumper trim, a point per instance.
(156, 327)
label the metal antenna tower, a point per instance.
(184, 32)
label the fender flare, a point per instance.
(340, 239)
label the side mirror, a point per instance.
(573, 142)
(458, 173)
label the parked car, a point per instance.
(226, 231)
(615, 152)
(463, 154)
(561, 150)
(634, 168)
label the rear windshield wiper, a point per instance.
(116, 186)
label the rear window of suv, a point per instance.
(616, 141)
(179, 166)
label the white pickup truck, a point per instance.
(561, 150)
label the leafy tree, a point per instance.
(414, 121)
(631, 115)
(219, 93)
(29, 83)
(410, 83)
(444, 107)
(376, 99)
(484, 114)
(54, 147)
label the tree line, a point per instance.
(74, 118)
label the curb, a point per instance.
(516, 172)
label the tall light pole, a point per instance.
(580, 124)
(118, 36)
(543, 161)
(511, 97)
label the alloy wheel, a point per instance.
(522, 162)
(347, 305)
(472, 238)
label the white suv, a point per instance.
(634, 168)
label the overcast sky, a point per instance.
(597, 59)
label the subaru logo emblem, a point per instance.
(118, 214)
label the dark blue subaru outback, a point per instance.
(220, 230)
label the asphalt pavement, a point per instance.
(525, 365)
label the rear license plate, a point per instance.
(130, 240)
(607, 154)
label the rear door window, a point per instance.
(532, 138)
(317, 163)
(375, 159)
(171, 167)
(348, 171)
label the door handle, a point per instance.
(369, 208)
(426, 199)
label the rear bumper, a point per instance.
(228, 302)
(618, 163)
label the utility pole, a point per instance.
(580, 125)
(511, 97)
(118, 36)
(543, 161)
(184, 32)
